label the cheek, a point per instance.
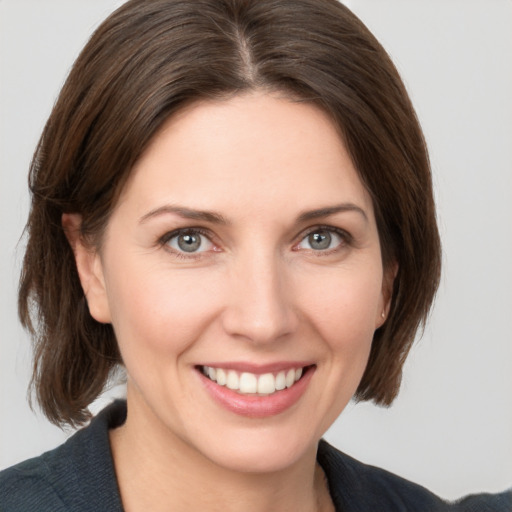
(343, 307)
(158, 312)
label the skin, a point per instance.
(256, 291)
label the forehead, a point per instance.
(250, 151)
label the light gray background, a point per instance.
(451, 427)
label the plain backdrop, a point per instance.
(451, 427)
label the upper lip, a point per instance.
(258, 369)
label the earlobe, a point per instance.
(89, 267)
(388, 281)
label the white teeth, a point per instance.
(290, 378)
(232, 382)
(250, 383)
(280, 381)
(266, 384)
(221, 376)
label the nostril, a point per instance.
(267, 325)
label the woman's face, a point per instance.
(245, 246)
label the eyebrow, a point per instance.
(186, 213)
(217, 218)
(331, 210)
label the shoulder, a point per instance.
(500, 502)
(34, 485)
(75, 476)
(28, 486)
(356, 486)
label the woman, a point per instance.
(232, 200)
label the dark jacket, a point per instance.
(78, 476)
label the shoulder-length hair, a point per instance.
(147, 61)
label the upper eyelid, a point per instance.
(322, 227)
(180, 231)
(347, 240)
(164, 239)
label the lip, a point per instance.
(258, 369)
(253, 406)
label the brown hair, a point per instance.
(144, 63)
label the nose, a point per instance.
(260, 306)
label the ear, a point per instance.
(388, 279)
(90, 268)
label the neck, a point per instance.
(159, 472)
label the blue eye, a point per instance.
(321, 239)
(189, 241)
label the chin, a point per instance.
(262, 451)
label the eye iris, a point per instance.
(320, 240)
(189, 242)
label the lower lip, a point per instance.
(258, 406)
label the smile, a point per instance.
(270, 391)
(247, 383)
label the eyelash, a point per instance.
(346, 239)
(163, 241)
